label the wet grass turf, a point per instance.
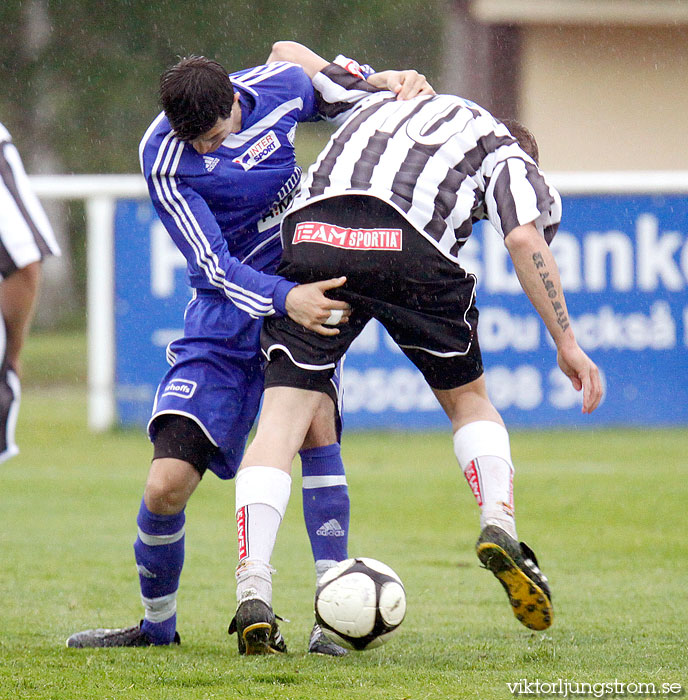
(604, 511)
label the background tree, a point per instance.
(80, 78)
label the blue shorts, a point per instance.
(216, 377)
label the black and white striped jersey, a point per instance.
(25, 232)
(443, 162)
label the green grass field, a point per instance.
(604, 510)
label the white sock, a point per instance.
(483, 452)
(262, 495)
(254, 580)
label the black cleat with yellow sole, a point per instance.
(516, 567)
(256, 628)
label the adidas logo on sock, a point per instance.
(210, 163)
(331, 528)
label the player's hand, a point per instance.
(307, 305)
(405, 84)
(583, 373)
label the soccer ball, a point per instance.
(360, 603)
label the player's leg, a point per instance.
(201, 406)
(10, 397)
(181, 455)
(182, 452)
(481, 442)
(437, 329)
(300, 367)
(18, 291)
(481, 445)
(325, 503)
(18, 295)
(304, 376)
(325, 492)
(263, 486)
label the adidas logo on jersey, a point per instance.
(210, 163)
(331, 528)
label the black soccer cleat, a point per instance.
(516, 567)
(257, 629)
(319, 643)
(123, 637)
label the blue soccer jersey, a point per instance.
(224, 208)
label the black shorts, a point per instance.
(394, 274)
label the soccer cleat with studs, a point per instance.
(256, 628)
(319, 643)
(122, 637)
(515, 566)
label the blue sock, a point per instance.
(159, 552)
(325, 505)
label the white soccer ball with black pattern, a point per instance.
(360, 603)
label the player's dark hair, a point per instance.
(194, 94)
(525, 138)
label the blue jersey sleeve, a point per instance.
(195, 231)
(282, 83)
(304, 87)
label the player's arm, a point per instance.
(195, 231)
(293, 52)
(521, 204)
(18, 294)
(404, 83)
(539, 276)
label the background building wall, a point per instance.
(606, 98)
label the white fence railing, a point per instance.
(100, 193)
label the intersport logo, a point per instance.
(352, 239)
(259, 151)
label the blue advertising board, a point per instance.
(624, 266)
(150, 296)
